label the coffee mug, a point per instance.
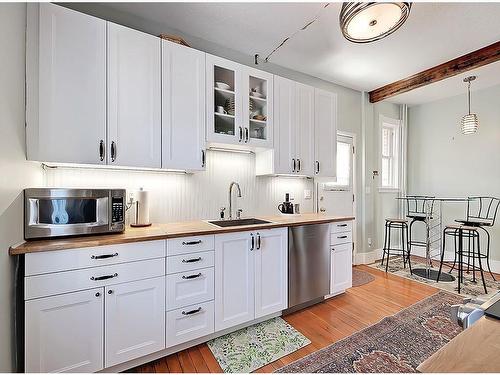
(220, 109)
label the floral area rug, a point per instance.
(467, 289)
(250, 348)
(398, 343)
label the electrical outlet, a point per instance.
(369, 242)
(307, 194)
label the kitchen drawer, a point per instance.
(340, 238)
(188, 262)
(64, 260)
(64, 282)
(189, 323)
(185, 245)
(187, 288)
(341, 226)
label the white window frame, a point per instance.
(336, 185)
(394, 156)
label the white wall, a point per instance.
(16, 172)
(178, 197)
(443, 162)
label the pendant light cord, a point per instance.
(318, 15)
(468, 95)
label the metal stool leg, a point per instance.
(455, 255)
(488, 252)
(408, 249)
(480, 265)
(442, 256)
(388, 249)
(385, 245)
(403, 244)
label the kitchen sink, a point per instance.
(238, 222)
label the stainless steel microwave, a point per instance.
(71, 212)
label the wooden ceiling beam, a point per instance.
(472, 60)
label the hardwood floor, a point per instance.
(323, 324)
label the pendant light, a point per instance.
(368, 22)
(470, 122)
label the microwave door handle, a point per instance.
(34, 212)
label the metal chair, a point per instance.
(461, 232)
(419, 208)
(481, 213)
(401, 224)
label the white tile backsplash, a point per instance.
(178, 197)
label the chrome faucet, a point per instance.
(230, 197)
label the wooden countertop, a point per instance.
(164, 231)
(476, 349)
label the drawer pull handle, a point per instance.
(191, 242)
(191, 260)
(341, 236)
(342, 225)
(104, 256)
(99, 278)
(191, 276)
(192, 311)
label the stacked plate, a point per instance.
(229, 106)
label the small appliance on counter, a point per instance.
(141, 213)
(288, 208)
(54, 212)
(472, 310)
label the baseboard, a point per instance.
(374, 255)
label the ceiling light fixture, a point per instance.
(368, 22)
(470, 122)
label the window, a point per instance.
(344, 179)
(389, 153)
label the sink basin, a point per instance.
(238, 222)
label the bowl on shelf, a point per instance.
(257, 95)
(260, 117)
(222, 85)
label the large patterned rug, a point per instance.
(250, 348)
(467, 289)
(398, 343)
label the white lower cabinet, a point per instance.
(190, 287)
(64, 333)
(271, 272)
(251, 277)
(134, 320)
(189, 323)
(341, 268)
(234, 279)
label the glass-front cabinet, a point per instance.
(239, 104)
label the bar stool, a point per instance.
(460, 232)
(398, 224)
(418, 208)
(481, 213)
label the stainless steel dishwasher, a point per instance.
(308, 265)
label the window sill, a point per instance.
(388, 190)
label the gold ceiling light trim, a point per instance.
(368, 22)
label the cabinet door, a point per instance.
(341, 268)
(234, 279)
(134, 319)
(258, 101)
(325, 131)
(64, 333)
(134, 101)
(224, 101)
(271, 271)
(284, 126)
(304, 129)
(183, 107)
(66, 85)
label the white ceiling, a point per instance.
(434, 33)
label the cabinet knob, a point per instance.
(97, 294)
(110, 291)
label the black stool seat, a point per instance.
(419, 217)
(474, 223)
(397, 220)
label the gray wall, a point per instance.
(443, 162)
(16, 172)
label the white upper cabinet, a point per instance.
(134, 319)
(325, 131)
(134, 101)
(239, 104)
(224, 101)
(183, 107)
(64, 333)
(257, 107)
(66, 85)
(304, 129)
(271, 271)
(234, 279)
